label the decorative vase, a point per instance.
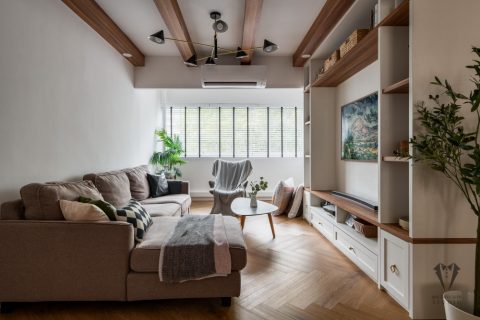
(253, 200)
(459, 305)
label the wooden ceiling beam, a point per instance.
(327, 19)
(90, 12)
(173, 18)
(253, 10)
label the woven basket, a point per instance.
(352, 41)
(334, 57)
(365, 228)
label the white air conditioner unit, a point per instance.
(227, 76)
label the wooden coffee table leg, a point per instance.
(242, 221)
(270, 218)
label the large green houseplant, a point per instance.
(170, 158)
(446, 145)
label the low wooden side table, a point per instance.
(241, 207)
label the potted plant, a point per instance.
(170, 158)
(256, 186)
(446, 145)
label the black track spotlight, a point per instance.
(157, 37)
(210, 61)
(268, 46)
(192, 61)
(240, 53)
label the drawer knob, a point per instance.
(394, 269)
(351, 249)
(320, 223)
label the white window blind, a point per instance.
(237, 131)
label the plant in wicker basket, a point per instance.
(447, 146)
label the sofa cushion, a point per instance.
(106, 207)
(135, 214)
(41, 199)
(114, 187)
(158, 185)
(283, 195)
(183, 200)
(163, 209)
(139, 187)
(79, 211)
(145, 256)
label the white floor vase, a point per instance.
(459, 305)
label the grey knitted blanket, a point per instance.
(197, 248)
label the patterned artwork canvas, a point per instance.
(360, 129)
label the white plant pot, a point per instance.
(459, 305)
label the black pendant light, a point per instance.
(269, 46)
(157, 37)
(210, 61)
(192, 61)
(240, 53)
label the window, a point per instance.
(237, 132)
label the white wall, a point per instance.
(170, 72)
(199, 170)
(442, 49)
(359, 178)
(67, 102)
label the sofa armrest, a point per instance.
(177, 186)
(64, 260)
(12, 210)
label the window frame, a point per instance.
(233, 107)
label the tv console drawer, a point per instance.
(323, 225)
(358, 253)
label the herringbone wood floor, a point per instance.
(299, 275)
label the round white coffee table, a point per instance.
(241, 207)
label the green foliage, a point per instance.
(446, 146)
(257, 186)
(171, 157)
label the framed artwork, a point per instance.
(360, 129)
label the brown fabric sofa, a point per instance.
(45, 258)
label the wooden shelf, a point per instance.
(399, 87)
(398, 17)
(395, 159)
(350, 206)
(307, 89)
(396, 230)
(362, 55)
(307, 123)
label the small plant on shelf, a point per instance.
(170, 158)
(447, 146)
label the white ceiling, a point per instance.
(284, 22)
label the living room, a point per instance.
(270, 209)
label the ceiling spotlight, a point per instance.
(192, 61)
(268, 46)
(127, 55)
(210, 61)
(240, 53)
(157, 37)
(306, 56)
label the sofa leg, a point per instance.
(6, 307)
(226, 301)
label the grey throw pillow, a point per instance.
(158, 185)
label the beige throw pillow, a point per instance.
(77, 211)
(296, 202)
(282, 195)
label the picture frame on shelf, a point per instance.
(359, 129)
